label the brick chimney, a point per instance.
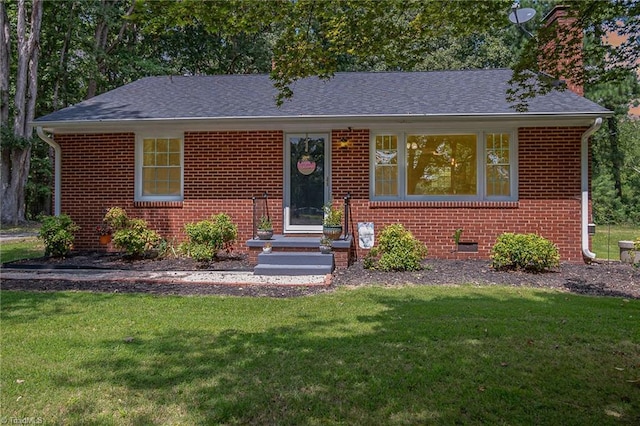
(561, 42)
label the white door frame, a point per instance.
(288, 227)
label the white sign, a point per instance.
(365, 235)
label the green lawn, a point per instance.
(369, 356)
(22, 248)
(605, 242)
(25, 248)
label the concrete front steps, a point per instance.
(294, 263)
(298, 255)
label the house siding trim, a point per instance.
(444, 204)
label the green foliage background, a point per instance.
(93, 46)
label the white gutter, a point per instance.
(588, 256)
(57, 170)
(333, 117)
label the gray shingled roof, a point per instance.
(454, 93)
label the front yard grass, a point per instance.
(374, 355)
(23, 248)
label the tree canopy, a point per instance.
(93, 46)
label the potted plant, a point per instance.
(266, 248)
(332, 223)
(265, 228)
(104, 233)
(325, 245)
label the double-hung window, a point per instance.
(457, 166)
(159, 168)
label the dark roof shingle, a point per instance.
(455, 93)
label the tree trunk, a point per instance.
(61, 79)
(617, 156)
(16, 157)
(102, 47)
(15, 171)
(5, 59)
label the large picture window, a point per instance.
(441, 165)
(159, 169)
(446, 166)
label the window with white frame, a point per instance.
(498, 165)
(386, 165)
(443, 166)
(159, 168)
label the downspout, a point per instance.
(587, 255)
(57, 168)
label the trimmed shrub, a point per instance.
(397, 250)
(131, 235)
(136, 239)
(116, 218)
(206, 238)
(528, 252)
(57, 233)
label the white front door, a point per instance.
(306, 181)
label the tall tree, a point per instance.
(16, 143)
(317, 38)
(564, 52)
(97, 45)
(109, 32)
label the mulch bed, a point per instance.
(599, 279)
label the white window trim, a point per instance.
(513, 162)
(140, 137)
(480, 165)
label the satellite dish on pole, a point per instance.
(520, 16)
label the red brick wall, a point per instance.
(97, 173)
(549, 200)
(223, 170)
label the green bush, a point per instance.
(136, 238)
(397, 250)
(206, 238)
(131, 235)
(636, 249)
(116, 218)
(57, 233)
(529, 252)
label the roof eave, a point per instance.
(202, 123)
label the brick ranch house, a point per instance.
(435, 151)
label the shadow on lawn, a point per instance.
(24, 307)
(447, 360)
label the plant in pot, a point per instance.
(325, 245)
(265, 228)
(104, 233)
(332, 223)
